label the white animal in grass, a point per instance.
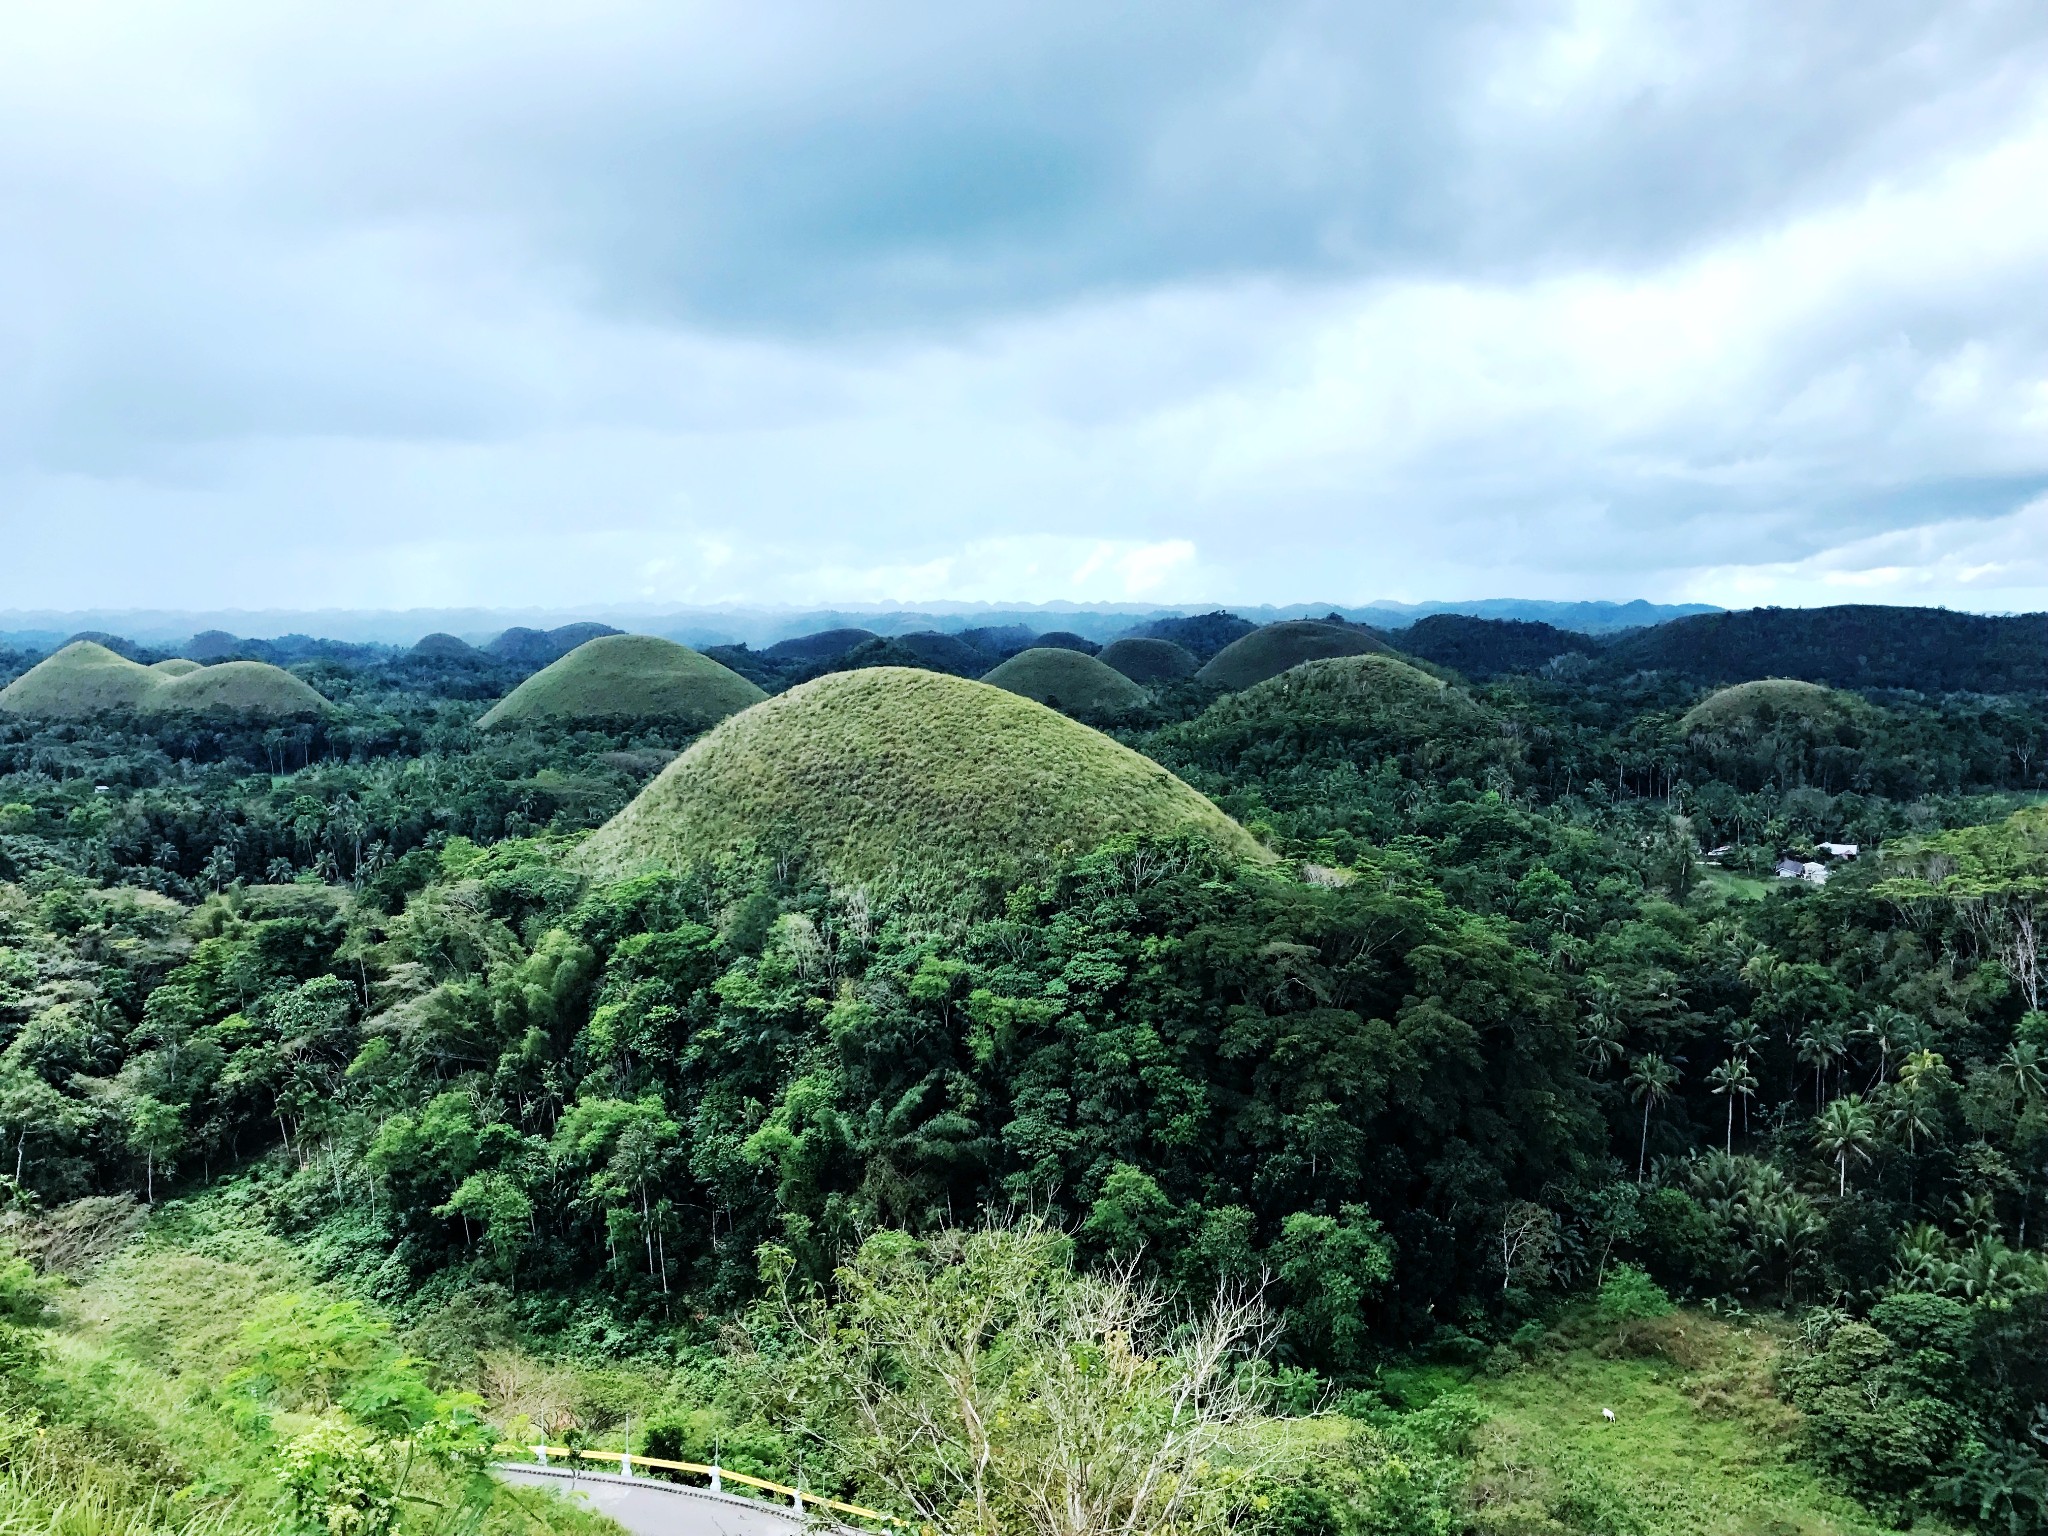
(1607, 1414)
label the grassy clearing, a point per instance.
(639, 677)
(1270, 651)
(1069, 681)
(892, 771)
(1736, 887)
(1700, 1444)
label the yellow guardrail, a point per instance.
(719, 1475)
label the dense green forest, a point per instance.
(1519, 1037)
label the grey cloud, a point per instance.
(438, 300)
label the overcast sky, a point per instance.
(392, 305)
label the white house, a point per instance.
(1793, 869)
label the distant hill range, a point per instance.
(520, 630)
(1583, 618)
(1931, 650)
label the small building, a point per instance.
(1807, 870)
(1840, 850)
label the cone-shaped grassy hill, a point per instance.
(249, 689)
(897, 772)
(174, 666)
(1148, 661)
(1272, 650)
(1767, 702)
(442, 647)
(84, 678)
(618, 677)
(1069, 681)
(1376, 703)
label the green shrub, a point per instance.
(1628, 1295)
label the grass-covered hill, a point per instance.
(1270, 651)
(1768, 702)
(1149, 661)
(1070, 681)
(252, 690)
(823, 646)
(86, 679)
(617, 677)
(120, 645)
(1065, 640)
(1375, 704)
(894, 772)
(83, 679)
(442, 647)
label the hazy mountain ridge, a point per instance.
(46, 629)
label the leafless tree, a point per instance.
(976, 1379)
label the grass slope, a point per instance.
(627, 676)
(892, 771)
(1148, 661)
(1766, 701)
(175, 666)
(83, 679)
(1700, 1442)
(1070, 681)
(141, 1432)
(251, 689)
(1270, 651)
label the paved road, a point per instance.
(648, 1507)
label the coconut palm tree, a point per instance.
(1820, 1045)
(2024, 1072)
(1600, 1037)
(1889, 1029)
(1910, 1105)
(1746, 1038)
(1845, 1129)
(1733, 1079)
(1650, 1081)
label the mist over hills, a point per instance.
(295, 630)
(1929, 650)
